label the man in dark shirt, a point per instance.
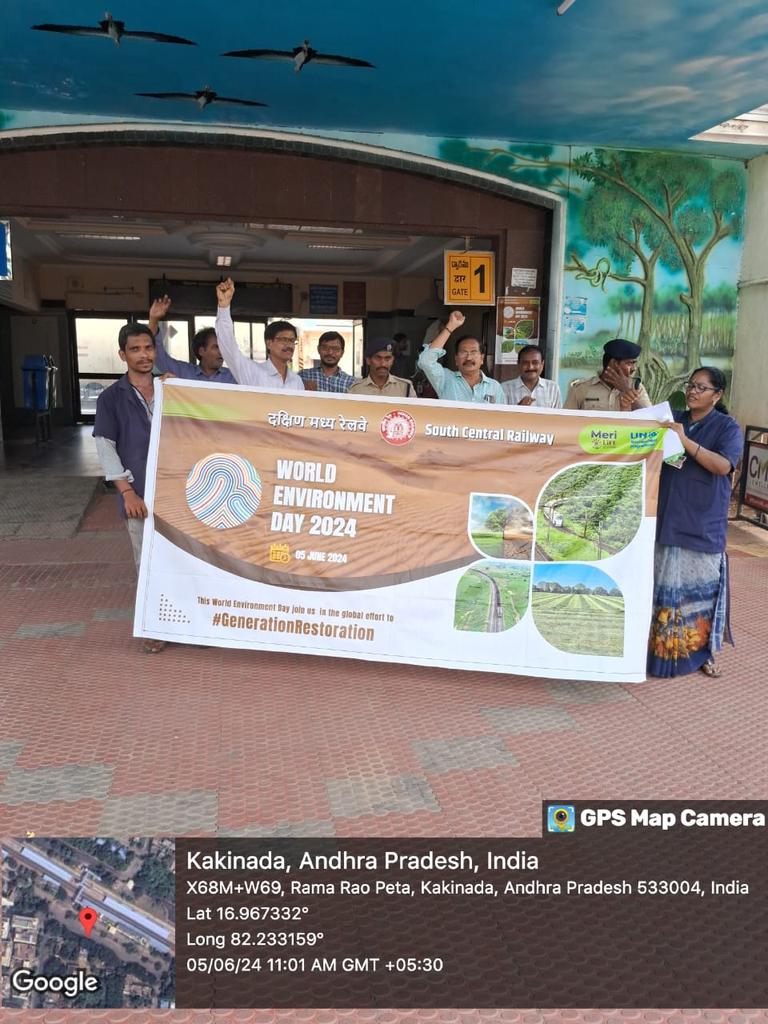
(122, 426)
(209, 367)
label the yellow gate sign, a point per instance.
(470, 278)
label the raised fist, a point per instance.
(224, 292)
(456, 319)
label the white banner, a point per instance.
(492, 538)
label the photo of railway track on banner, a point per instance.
(492, 538)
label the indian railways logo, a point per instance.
(223, 490)
(398, 427)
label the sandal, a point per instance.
(710, 669)
(154, 646)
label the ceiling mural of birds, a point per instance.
(111, 28)
(202, 97)
(302, 55)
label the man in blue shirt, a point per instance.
(210, 362)
(467, 383)
(121, 430)
(327, 376)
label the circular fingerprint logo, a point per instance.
(223, 491)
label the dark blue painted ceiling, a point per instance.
(649, 73)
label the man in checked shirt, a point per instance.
(328, 376)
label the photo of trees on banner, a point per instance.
(493, 538)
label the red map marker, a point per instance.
(88, 918)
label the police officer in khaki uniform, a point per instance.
(615, 388)
(379, 357)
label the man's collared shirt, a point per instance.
(245, 370)
(450, 385)
(339, 381)
(594, 393)
(396, 387)
(123, 417)
(165, 363)
(546, 393)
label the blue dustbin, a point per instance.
(36, 375)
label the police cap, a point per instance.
(619, 348)
(379, 345)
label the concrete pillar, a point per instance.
(749, 392)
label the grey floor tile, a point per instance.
(576, 692)
(44, 630)
(380, 794)
(284, 830)
(165, 814)
(9, 751)
(463, 753)
(112, 614)
(68, 783)
(530, 719)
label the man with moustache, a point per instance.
(467, 383)
(379, 357)
(210, 362)
(280, 338)
(615, 388)
(530, 388)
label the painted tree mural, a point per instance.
(642, 229)
(680, 207)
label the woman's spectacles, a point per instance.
(700, 388)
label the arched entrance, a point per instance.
(266, 178)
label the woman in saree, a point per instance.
(690, 601)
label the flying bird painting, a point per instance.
(203, 98)
(300, 56)
(111, 28)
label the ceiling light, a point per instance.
(104, 238)
(565, 5)
(223, 261)
(345, 248)
(312, 229)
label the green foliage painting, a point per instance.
(653, 251)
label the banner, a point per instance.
(756, 476)
(494, 538)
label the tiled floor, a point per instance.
(97, 737)
(384, 1016)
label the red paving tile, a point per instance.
(269, 733)
(100, 514)
(386, 1016)
(54, 818)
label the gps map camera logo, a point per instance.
(223, 491)
(561, 818)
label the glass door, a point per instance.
(97, 360)
(249, 334)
